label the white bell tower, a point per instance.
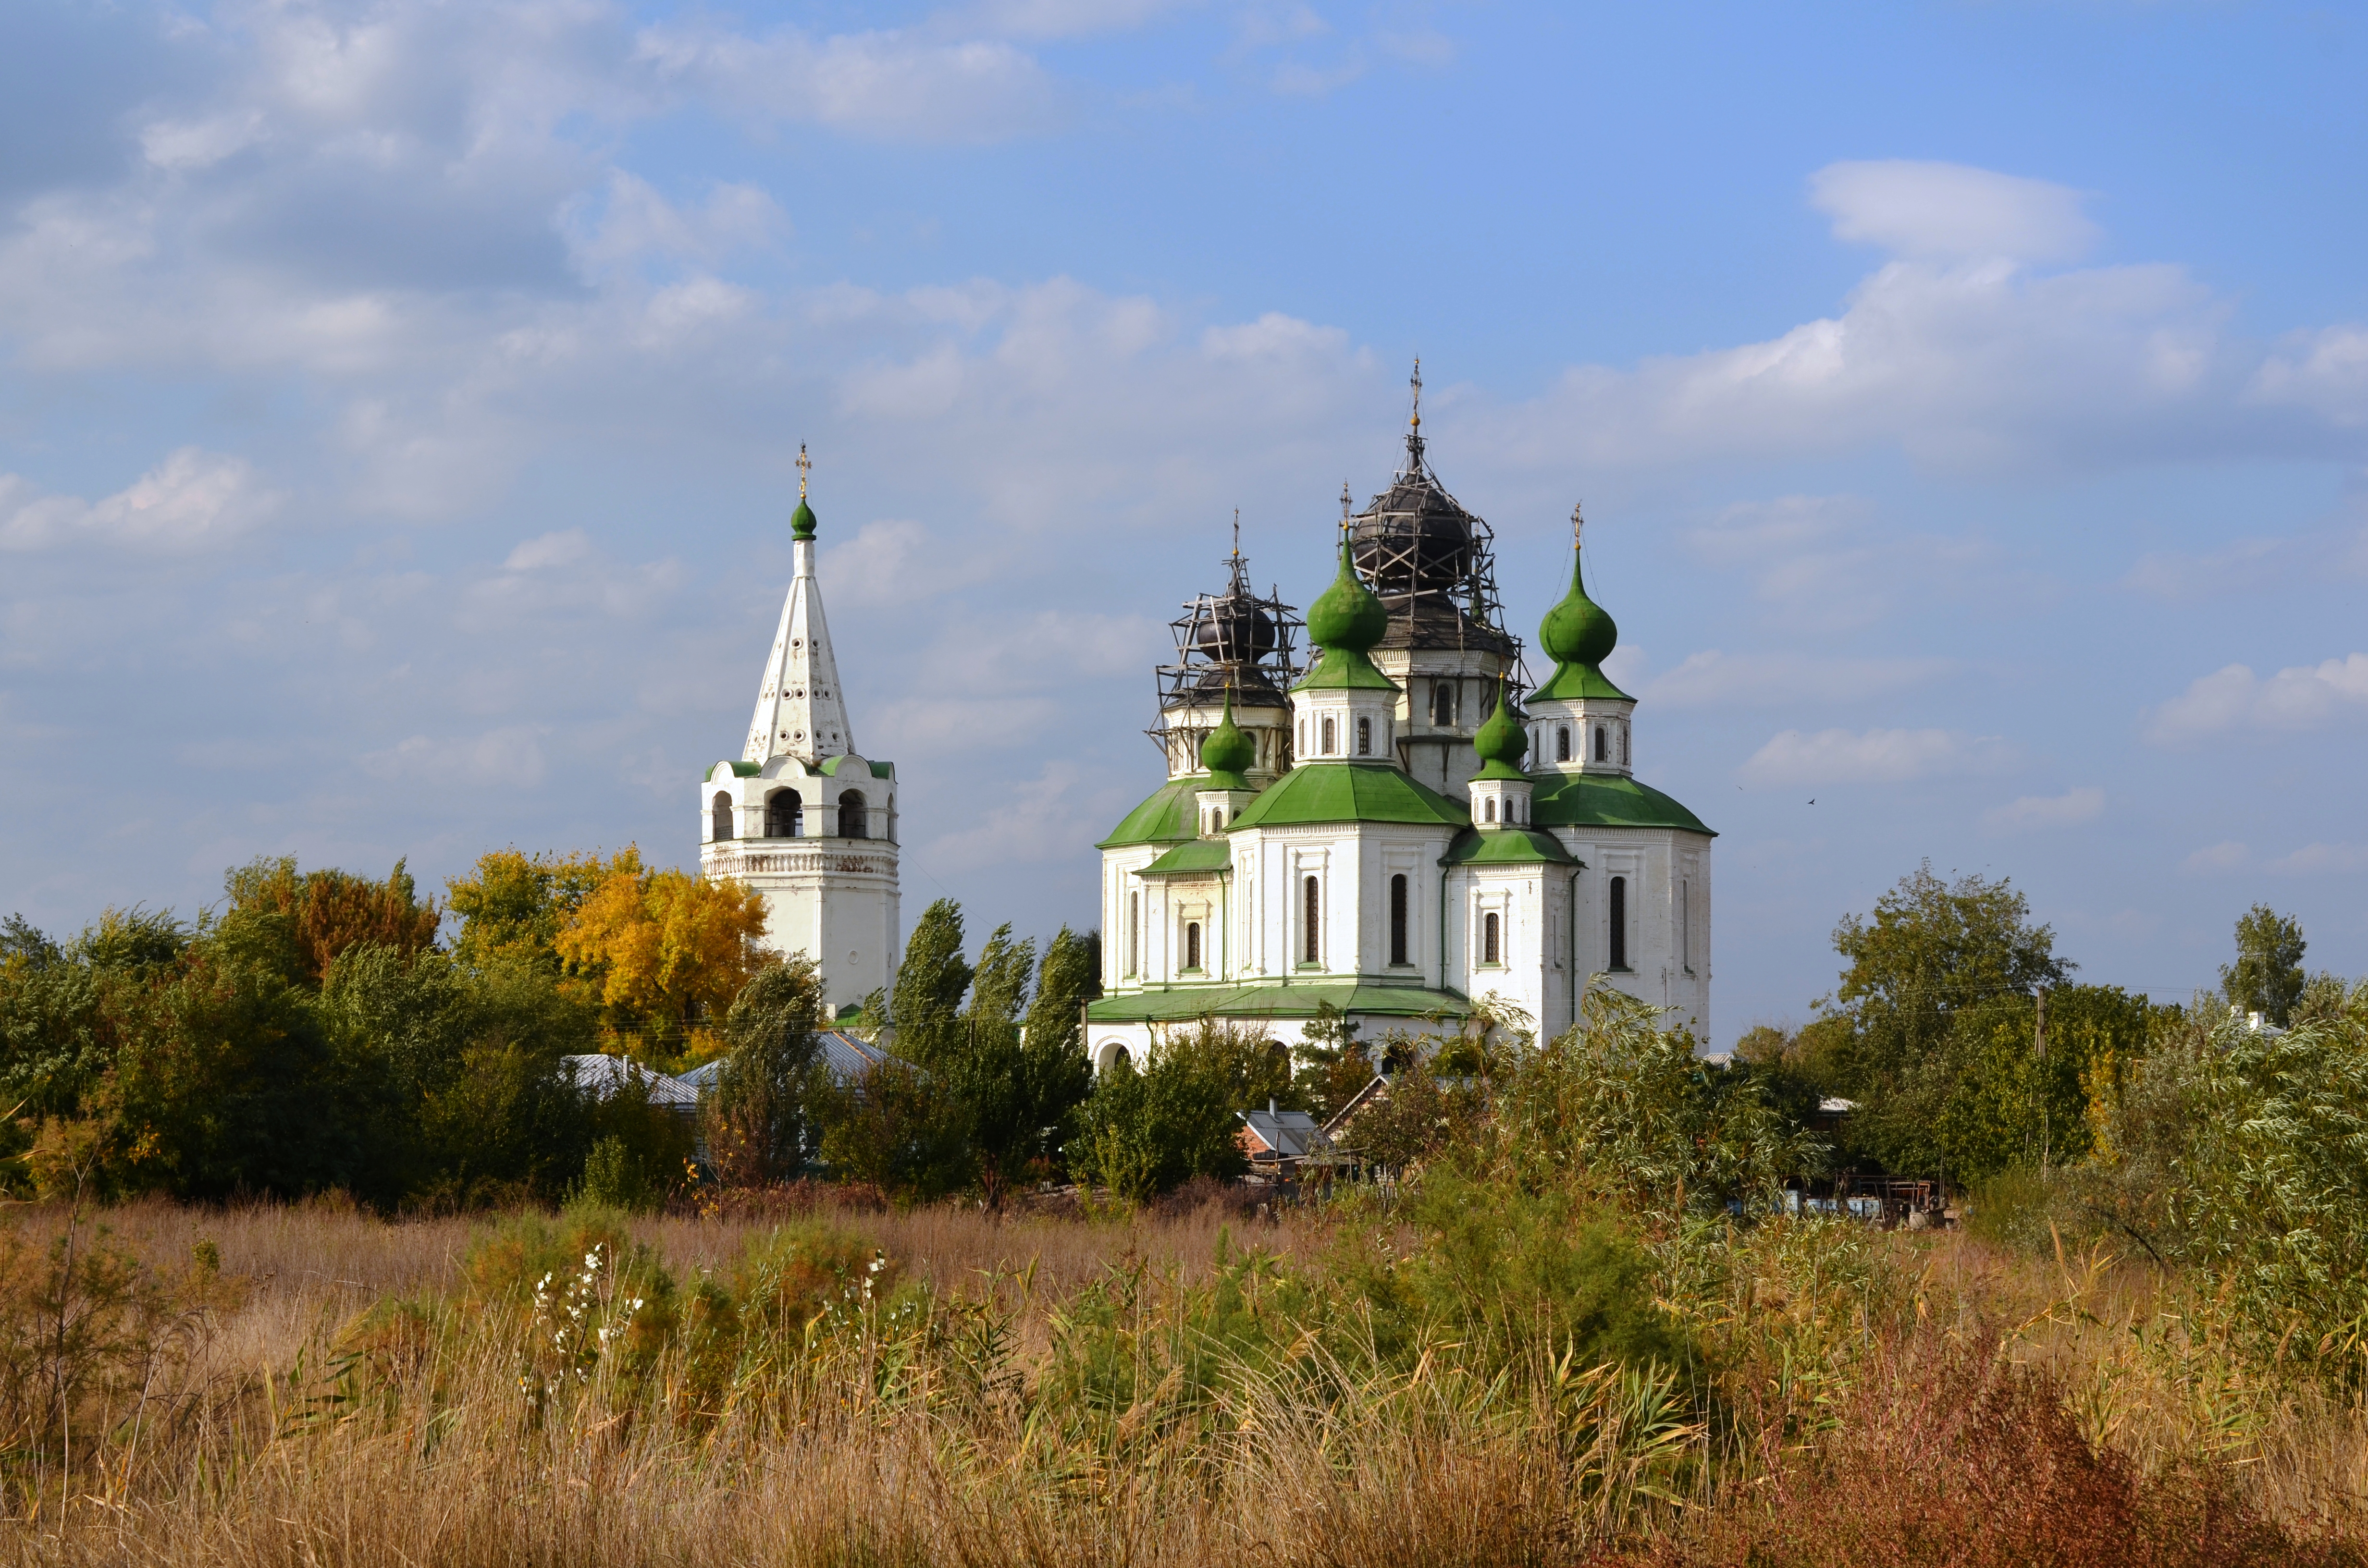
(801, 816)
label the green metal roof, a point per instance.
(1571, 683)
(1345, 669)
(1606, 799)
(1502, 846)
(1198, 858)
(830, 766)
(1349, 791)
(1171, 813)
(1275, 999)
(739, 769)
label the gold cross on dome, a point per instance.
(805, 466)
(1579, 526)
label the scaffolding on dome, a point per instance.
(1234, 642)
(1431, 562)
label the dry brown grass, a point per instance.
(1982, 1409)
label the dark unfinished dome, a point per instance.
(1430, 562)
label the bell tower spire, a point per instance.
(801, 711)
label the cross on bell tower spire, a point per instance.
(1413, 425)
(805, 466)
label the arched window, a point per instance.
(1442, 705)
(1491, 940)
(1331, 740)
(1488, 809)
(1562, 742)
(1311, 949)
(722, 828)
(854, 822)
(1397, 919)
(1623, 746)
(785, 814)
(1364, 737)
(1302, 734)
(1192, 944)
(1134, 932)
(1600, 754)
(1217, 821)
(1619, 923)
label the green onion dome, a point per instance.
(1501, 742)
(1228, 751)
(1346, 616)
(802, 521)
(1578, 631)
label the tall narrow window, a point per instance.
(1302, 734)
(1134, 932)
(1364, 737)
(1442, 705)
(1491, 940)
(1686, 925)
(721, 828)
(854, 822)
(1619, 923)
(1311, 948)
(1623, 746)
(1562, 742)
(1600, 754)
(1192, 944)
(1488, 809)
(1331, 739)
(1397, 920)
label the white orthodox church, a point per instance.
(1396, 830)
(801, 816)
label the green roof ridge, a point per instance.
(1605, 799)
(1349, 792)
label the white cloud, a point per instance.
(1949, 212)
(1713, 678)
(1872, 756)
(510, 754)
(1035, 822)
(564, 548)
(199, 143)
(2226, 856)
(894, 86)
(1069, 19)
(2033, 812)
(2306, 697)
(2314, 860)
(1829, 561)
(891, 561)
(193, 501)
(2326, 371)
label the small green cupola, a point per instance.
(1346, 709)
(802, 521)
(1500, 790)
(1578, 634)
(1227, 753)
(1346, 616)
(1501, 742)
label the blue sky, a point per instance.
(397, 404)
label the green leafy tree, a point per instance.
(1055, 1075)
(1140, 1133)
(1931, 950)
(2267, 977)
(1332, 1064)
(931, 980)
(758, 1122)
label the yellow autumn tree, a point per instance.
(668, 951)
